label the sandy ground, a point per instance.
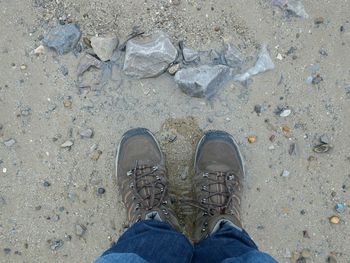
(46, 190)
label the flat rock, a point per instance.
(79, 230)
(62, 38)
(149, 56)
(202, 81)
(67, 144)
(190, 55)
(86, 133)
(10, 142)
(104, 46)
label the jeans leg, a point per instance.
(229, 245)
(154, 241)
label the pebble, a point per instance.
(40, 50)
(80, 230)
(331, 259)
(67, 104)
(101, 190)
(325, 139)
(56, 244)
(334, 220)
(319, 20)
(46, 184)
(96, 155)
(285, 113)
(64, 70)
(317, 80)
(340, 208)
(252, 139)
(23, 67)
(279, 56)
(306, 234)
(323, 52)
(86, 133)
(258, 109)
(173, 69)
(7, 250)
(286, 129)
(285, 173)
(67, 144)
(305, 253)
(9, 142)
(273, 138)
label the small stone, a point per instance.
(306, 234)
(9, 142)
(55, 218)
(67, 144)
(64, 70)
(286, 129)
(96, 155)
(38, 208)
(23, 67)
(80, 230)
(189, 55)
(101, 190)
(340, 208)
(317, 80)
(40, 50)
(86, 133)
(272, 138)
(285, 113)
(279, 56)
(46, 184)
(324, 139)
(319, 20)
(258, 109)
(184, 174)
(149, 56)
(303, 212)
(252, 139)
(62, 38)
(56, 244)
(305, 253)
(334, 220)
(104, 46)
(173, 69)
(323, 52)
(285, 173)
(292, 149)
(216, 28)
(67, 104)
(331, 259)
(7, 250)
(175, 2)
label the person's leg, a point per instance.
(219, 174)
(229, 244)
(149, 241)
(143, 184)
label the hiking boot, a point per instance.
(219, 172)
(141, 178)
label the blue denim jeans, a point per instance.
(152, 241)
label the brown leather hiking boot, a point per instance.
(219, 172)
(141, 178)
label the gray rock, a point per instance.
(62, 38)
(149, 56)
(190, 55)
(104, 46)
(325, 139)
(173, 69)
(79, 230)
(56, 244)
(202, 81)
(285, 173)
(9, 142)
(234, 57)
(86, 133)
(67, 144)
